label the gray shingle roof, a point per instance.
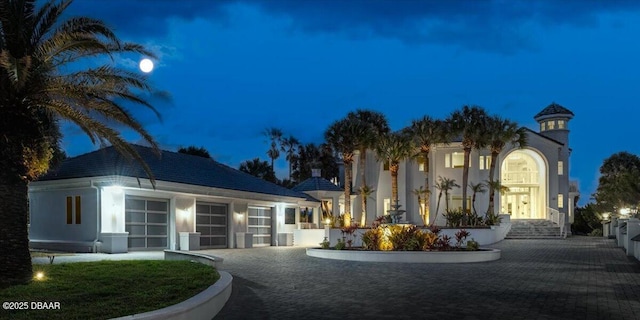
(170, 167)
(553, 108)
(316, 184)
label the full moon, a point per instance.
(146, 65)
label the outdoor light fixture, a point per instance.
(605, 216)
(40, 275)
(625, 211)
(327, 221)
(115, 189)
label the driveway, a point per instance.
(576, 278)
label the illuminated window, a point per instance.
(454, 160)
(560, 200)
(456, 203)
(561, 124)
(543, 126)
(71, 209)
(485, 162)
(387, 205)
(551, 124)
(423, 164)
(560, 168)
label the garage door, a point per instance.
(146, 220)
(260, 226)
(211, 222)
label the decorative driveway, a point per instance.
(576, 278)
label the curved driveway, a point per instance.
(576, 278)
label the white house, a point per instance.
(100, 201)
(537, 176)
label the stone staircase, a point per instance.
(533, 229)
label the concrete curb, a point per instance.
(204, 305)
(407, 256)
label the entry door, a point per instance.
(211, 222)
(260, 226)
(146, 220)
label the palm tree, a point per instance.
(423, 200)
(444, 185)
(425, 133)
(258, 168)
(502, 131)
(393, 148)
(41, 82)
(470, 124)
(341, 136)
(195, 151)
(493, 187)
(290, 146)
(372, 125)
(365, 192)
(476, 188)
(275, 136)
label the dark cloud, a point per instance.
(497, 26)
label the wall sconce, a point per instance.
(184, 214)
(605, 216)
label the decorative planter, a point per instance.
(483, 255)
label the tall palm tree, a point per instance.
(372, 125)
(275, 137)
(425, 133)
(444, 185)
(258, 168)
(423, 200)
(393, 148)
(502, 131)
(470, 124)
(290, 146)
(476, 188)
(341, 136)
(42, 81)
(494, 186)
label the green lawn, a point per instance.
(107, 289)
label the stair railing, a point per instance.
(558, 218)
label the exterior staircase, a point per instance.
(533, 229)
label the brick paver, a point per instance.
(576, 278)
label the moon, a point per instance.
(146, 65)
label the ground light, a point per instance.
(39, 275)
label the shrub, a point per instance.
(443, 243)
(473, 245)
(371, 239)
(492, 219)
(325, 243)
(461, 235)
(429, 240)
(454, 218)
(340, 245)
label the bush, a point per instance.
(454, 218)
(341, 244)
(371, 239)
(473, 245)
(325, 243)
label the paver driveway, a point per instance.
(576, 278)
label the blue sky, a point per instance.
(234, 68)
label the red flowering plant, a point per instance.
(461, 235)
(347, 233)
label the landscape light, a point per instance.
(40, 275)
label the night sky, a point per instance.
(234, 68)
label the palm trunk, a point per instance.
(426, 186)
(437, 208)
(465, 179)
(393, 168)
(492, 170)
(347, 193)
(446, 200)
(15, 259)
(363, 182)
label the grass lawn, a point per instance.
(108, 289)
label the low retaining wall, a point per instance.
(407, 256)
(204, 305)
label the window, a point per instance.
(560, 200)
(485, 162)
(290, 215)
(560, 168)
(306, 214)
(385, 166)
(387, 206)
(551, 124)
(543, 126)
(561, 124)
(71, 208)
(454, 160)
(456, 203)
(423, 164)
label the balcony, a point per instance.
(520, 177)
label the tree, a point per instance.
(476, 188)
(470, 123)
(341, 136)
(310, 156)
(501, 132)
(619, 182)
(290, 146)
(365, 193)
(372, 125)
(195, 151)
(423, 201)
(392, 149)
(444, 185)
(41, 82)
(275, 137)
(258, 168)
(425, 133)
(494, 186)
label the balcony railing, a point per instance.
(522, 177)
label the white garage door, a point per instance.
(146, 220)
(211, 222)
(260, 226)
